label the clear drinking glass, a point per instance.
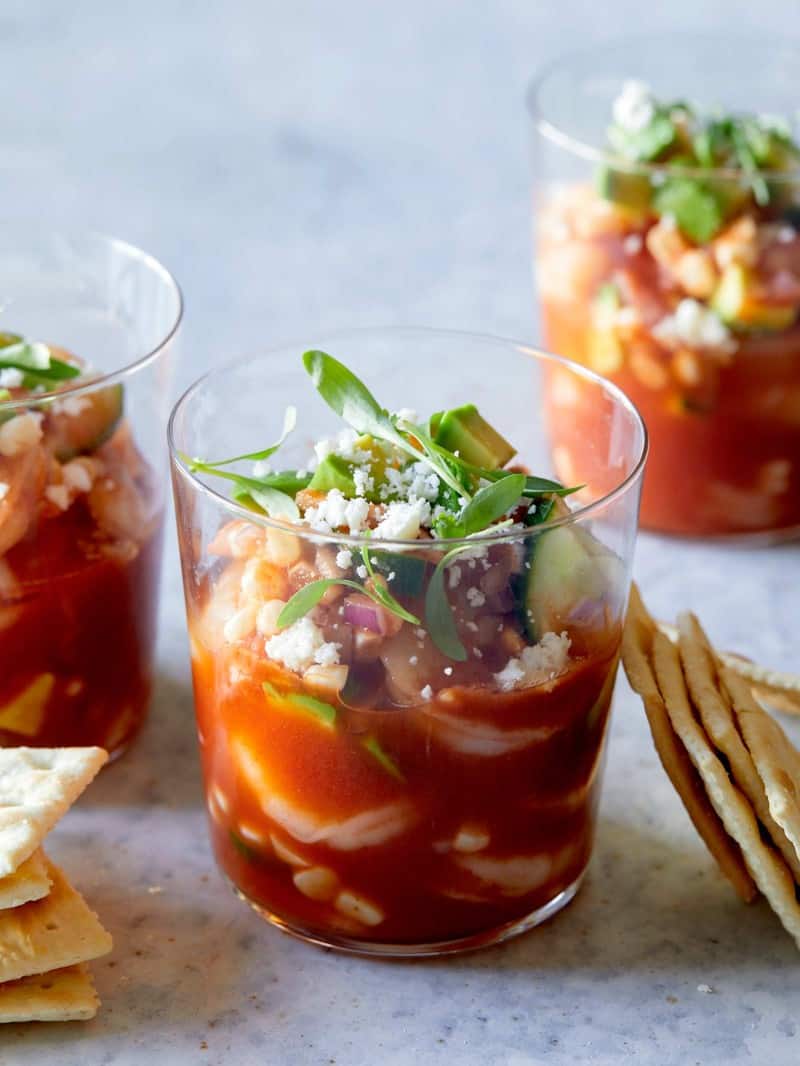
(402, 803)
(81, 487)
(613, 280)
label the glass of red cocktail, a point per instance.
(404, 634)
(88, 333)
(667, 219)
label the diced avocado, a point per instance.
(334, 473)
(625, 188)
(465, 431)
(91, 423)
(25, 713)
(735, 302)
(604, 350)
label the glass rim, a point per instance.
(112, 377)
(350, 540)
(561, 137)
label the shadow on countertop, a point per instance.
(161, 767)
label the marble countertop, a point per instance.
(314, 166)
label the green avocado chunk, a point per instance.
(465, 431)
(623, 187)
(334, 473)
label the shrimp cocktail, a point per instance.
(404, 638)
(668, 225)
(81, 501)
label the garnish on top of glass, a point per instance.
(675, 270)
(418, 616)
(399, 479)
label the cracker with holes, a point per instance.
(65, 995)
(28, 882)
(37, 786)
(48, 934)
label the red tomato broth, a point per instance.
(708, 453)
(724, 451)
(85, 615)
(537, 801)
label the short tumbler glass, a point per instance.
(82, 506)
(615, 280)
(431, 809)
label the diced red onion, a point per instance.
(588, 613)
(361, 611)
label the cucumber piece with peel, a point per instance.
(568, 581)
(77, 425)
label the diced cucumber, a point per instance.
(736, 302)
(90, 424)
(568, 576)
(552, 584)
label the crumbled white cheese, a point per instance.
(448, 671)
(695, 325)
(413, 482)
(343, 444)
(362, 480)
(402, 521)
(632, 244)
(427, 693)
(361, 571)
(301, 645)
(11, 378)
(453, 576)
(535, 664)
(634, 108)
(475, 598)
(262, 468)
(336, 511)
(4, 489)
(76, 476)
(407, 414)
(72, 406)
(344, 559)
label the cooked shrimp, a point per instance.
(22, 477)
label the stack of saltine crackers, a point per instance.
(47, 932)
(733, 766)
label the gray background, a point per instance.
(302, 166)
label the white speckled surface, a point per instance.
(312, 164)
